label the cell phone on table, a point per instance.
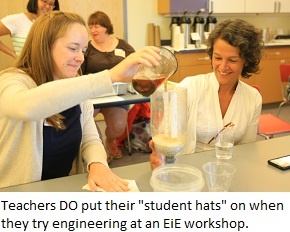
(282, 162)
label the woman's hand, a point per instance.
(125, 70)
(154, 160)
(102, 176)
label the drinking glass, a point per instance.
(224, 143)
(148, 79)
(168, 121)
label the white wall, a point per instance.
(142, 12)
(139, 14)
(114, 8)
(270, 21)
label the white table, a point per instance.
(126, 99)
(253, 172)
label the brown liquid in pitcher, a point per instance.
(147, 87)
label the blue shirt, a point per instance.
(60, 147)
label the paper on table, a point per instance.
(100, 100)
(132, 186)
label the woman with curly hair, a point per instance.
(220, 97)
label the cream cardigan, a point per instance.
(23, 107)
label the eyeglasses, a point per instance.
(50, 4)
(227, 125)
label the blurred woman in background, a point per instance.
(18, 25)
(104, 52)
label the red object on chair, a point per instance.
(270, 125)
(284, 77)
(137, 111)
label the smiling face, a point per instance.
(45, 6)
(227, 63)
(68, 51)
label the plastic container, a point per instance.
(176, 178)
(120, 88)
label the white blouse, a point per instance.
(205, 117)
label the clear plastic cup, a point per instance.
(218, 176)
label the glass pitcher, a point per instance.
(148, 79)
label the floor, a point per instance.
(143, 157)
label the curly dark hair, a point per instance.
(241, 34)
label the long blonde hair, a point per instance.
(36, 58)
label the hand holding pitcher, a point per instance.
(148, 79)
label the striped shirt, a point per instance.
(19, 26)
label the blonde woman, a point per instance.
(46, 119)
